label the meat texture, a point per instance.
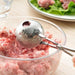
(74, 61)
(11, 48)
(66, 3)
(45, 3)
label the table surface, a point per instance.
(22, 8)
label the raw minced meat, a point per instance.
(66, 3)
(10, 47)
(45, 3)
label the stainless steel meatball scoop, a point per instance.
(27, 33)
(30, 33)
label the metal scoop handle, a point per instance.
(56, 45)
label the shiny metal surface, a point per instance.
(27, 33)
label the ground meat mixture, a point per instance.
(66, 3)
(45, 3)
(10, 47)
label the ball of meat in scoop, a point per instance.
(27, 33)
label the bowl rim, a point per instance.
(29, 59)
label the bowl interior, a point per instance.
(57, 33)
